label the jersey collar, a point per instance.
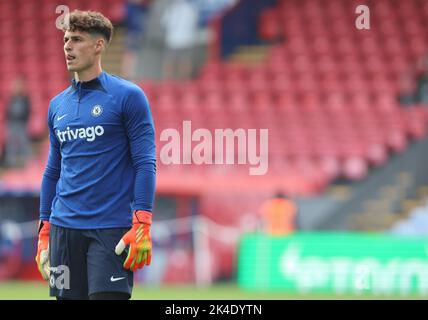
(94, 84)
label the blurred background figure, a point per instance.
(135, 21)
(18, 147)
(180, 21)
(422, 79)
(408, 86)
(416, 224)
(279, 215)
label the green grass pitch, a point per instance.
(18, 290)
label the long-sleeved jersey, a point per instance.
(102, 159)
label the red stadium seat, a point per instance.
(327, 93)
(269, 27)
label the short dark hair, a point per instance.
(90, 21)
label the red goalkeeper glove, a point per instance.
(42, 257)
(139, 241)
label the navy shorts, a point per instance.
(83, 262)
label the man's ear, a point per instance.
(100, 45)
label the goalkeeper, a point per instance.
(98, 186)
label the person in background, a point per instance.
(422, 80)
(407, 88)
(17, 116)
(180, 21)
(136, 13)
(278, 215)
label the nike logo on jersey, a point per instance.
(59, 118)
(113, 279)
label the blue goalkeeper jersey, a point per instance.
(102, 159)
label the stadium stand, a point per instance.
(327, 92)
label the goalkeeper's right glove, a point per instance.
(42, 257)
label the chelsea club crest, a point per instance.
(96, 110)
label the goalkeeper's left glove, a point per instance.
(139, 241)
